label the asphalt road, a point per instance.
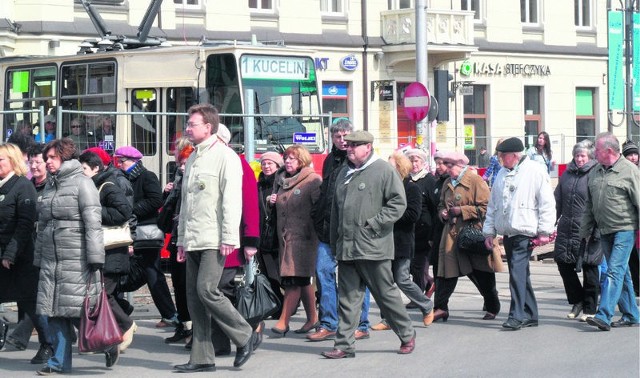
(465, 346)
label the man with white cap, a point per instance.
(522, 208)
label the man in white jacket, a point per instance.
(521, 208)
(208, 231)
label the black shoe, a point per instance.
(188, 345)
(598, 323)
(4, 329)
(180, 335)
(623, 323)
(257, 339)
(111, 356)
(512, 324)
(243, 353)
(48, 371)
(43, 355)
(529, 323)
(194, 368)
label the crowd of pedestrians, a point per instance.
(366, 226)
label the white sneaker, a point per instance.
(584, 317)
(127, 338)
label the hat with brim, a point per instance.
(510, 145)
(438, 155)
(128, 152)
(359, 136)
(457, 158)
(417, 152)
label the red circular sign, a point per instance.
(416, 101)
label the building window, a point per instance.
(187, 3)
(332, 6)
(471, 5)
(475, 123)
(261, 4)
(103, 2)
(529, 11)
(400, 4)
(335, 98)
(532, 114)
(582, 13)
(585, 113)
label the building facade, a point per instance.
(503, 67)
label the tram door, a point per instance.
(156, 135)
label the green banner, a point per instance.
(636, 61)
(616, 58)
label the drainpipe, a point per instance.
(365, 67)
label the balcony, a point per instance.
(444, 27)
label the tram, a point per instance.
(267, 96)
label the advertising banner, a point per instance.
(636, 61)
(616, 57)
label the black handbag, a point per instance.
(136, 278)
(471, 240)
(256, 301)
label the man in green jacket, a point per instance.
(369, 199)
(614, 198)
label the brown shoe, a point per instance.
(337, 354)
(428, 319)
(382, 326)
(360, 335)
(321, 335)
(408, 347)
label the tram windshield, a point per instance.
(280, 90)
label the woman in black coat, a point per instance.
(571, 195)
(403, 237)
(147, 199)
(116, 211)
(18, 275)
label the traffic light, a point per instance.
(441, 79)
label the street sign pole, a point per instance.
(422, 131)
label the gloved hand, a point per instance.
(94, 267)
(454, 211)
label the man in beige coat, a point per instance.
(208, 232)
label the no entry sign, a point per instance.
(416, 101)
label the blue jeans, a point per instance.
(619, 289)
(62, 333)
(327, 286)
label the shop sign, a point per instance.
(349, 63)
(469, 137)
(469, 68)
(321, 63)
(385, 93)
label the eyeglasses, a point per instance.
(122, 160)
(192, 125)
(449, 164)
(35, 162)
(355, 144)
(75, 126)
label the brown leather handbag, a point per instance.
(98, 330)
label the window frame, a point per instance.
(468, 5)
(183, 4)
(259, 9)
(593, 117)
(534, 117)
(526, 18)
(578, 9)
(326, 4)
(471, 118)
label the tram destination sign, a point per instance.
(305, 138)
(274, 67)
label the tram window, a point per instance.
(178, 101)
(144, 130)
(28, 89)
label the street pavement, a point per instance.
(465, 346)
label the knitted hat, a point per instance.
(419, 153)
(128, 152)
(512, 144)
(102, 154)
(274, 157)
(629, 148)
(223, 133)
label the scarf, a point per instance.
(353, 170)
(4, 180)
(456, 181)
(418, 175)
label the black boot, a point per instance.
(4, 329)
(180, 335)
(43, 355)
